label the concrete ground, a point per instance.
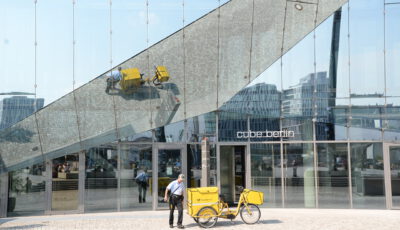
(271, 219)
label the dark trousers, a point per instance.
(142, 186)
(175, 201)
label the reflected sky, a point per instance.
(92, 37)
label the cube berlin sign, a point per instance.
(263, 134)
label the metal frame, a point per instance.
(3, 194)
(388, 176)
(167, 146)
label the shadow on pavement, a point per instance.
(235, 222)
(29, 226)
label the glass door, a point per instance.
(232, 172)
(169, 166)
(65, 183)
(394, 159)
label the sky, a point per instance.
(91, 30)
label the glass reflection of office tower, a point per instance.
(16, 108)
(260, 101)
(298, 101)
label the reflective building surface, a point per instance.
(297, 99)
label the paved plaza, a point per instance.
(271, 219)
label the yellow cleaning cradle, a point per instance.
(131, 80)
(201, 197)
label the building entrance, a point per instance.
(232, 172)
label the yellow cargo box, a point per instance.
(162, 74)
(198, 198)
(253, 196)
(131, 79)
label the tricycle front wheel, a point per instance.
(207, 217)
(250, 214)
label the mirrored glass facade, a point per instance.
(301, 98)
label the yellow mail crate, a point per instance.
(130, 79)
(201, 197)
(253, 196)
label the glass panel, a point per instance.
(15, 108)
(266, 172)
(171, 133)
(332, 119)
(136, 177)
(367, 175)
(26, 191)
(17, 49)
(165, 18)
(195, 9)
(132, 96)
(168, 105)
(332, 65)
(95, 110)
(298, 89)
(101, 186)
(234, 48)
(20, 144)
(65, 174)
(392, 42)
(394, 153)
(194, 166)
(299, 177)
(169, 168)
(333, 176)
(299, 20)
(58, 127)
(392, 119)
(132, 103)
(230, 124)
(55, 53)
(129, 29)
(269, 18)
(366, 118)
(366, 48)
(262, 99)
(202, 126)
(90, 61)
(201, 66)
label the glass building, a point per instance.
(298, 99)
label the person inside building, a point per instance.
(176, 189)
(142, 182)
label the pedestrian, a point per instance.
(142, 182)
(176, 189)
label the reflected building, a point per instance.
(16, 108)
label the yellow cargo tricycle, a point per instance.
(205, 206)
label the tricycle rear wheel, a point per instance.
(207, 217)
(250, 214)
